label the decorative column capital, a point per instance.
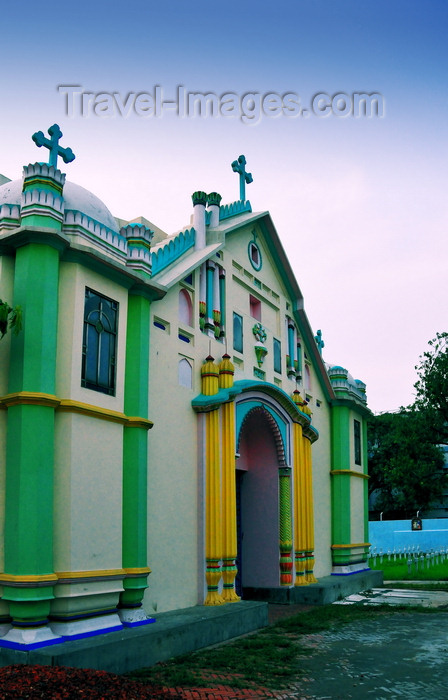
(138, 238)
(42, 203)
(210, 377)
(301, 404)
(213, 199)
(226, 372)
(199, 197)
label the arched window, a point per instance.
(237, 332)
(99, 343)
(185, 308)
(185, 371)
(277, 355)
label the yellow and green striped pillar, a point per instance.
(229, 536)
(213, 536)
(309, 511)
(303, 500)
(299, 506)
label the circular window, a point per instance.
(255, 255)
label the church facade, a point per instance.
(170, 435)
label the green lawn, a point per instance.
(398, 571)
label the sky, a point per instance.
(359, 202)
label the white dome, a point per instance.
(75, 198)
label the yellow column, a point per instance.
(213, 545)
(229, 538)
(309, 550)
(299, 506)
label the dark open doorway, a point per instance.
(257, 504)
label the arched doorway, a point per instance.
(261, 454)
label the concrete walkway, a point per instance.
(397, 596)
(404, 655)
(400, 656)
(390, 658)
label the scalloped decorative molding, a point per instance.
(173, 250)
(238, 207)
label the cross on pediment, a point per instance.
(239, 166)
(319, 342)
(53, 146)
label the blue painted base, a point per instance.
(29, 647)
(60, 640)
(352, 573)
(139, 623)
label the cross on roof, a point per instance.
(239, 166)
(53, 146)
(320, 343)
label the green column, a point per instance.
(30, 438)
(135, 453)
(285, 526)
(291, 349)
(365, 469)
(340, 491)
(209, 296)
(222, 301)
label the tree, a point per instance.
(405, 460)
(10, 315)
(432, 384)
(405, 466)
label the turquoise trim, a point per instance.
(254, 243)
(243, 408)
(173, 250)
(202, 403)
(228, 210)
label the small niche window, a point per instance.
(277, 355)
(185, 373)
(99, 343)
(357, 436)
(255, 307)
(237, 332)
(308, 377)
(161, 324)
(254, 253)
(185, 308)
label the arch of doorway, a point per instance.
(277, 428)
